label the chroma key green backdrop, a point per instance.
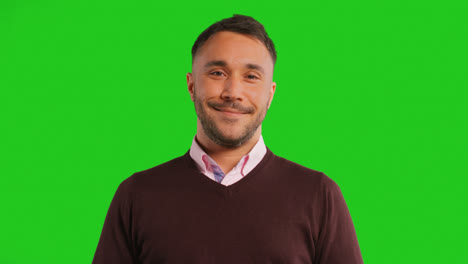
(373, 93)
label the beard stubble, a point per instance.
(216, 135)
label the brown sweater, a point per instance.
(281, 212)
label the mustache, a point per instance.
(232, 105)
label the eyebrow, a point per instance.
(215, 63)
(255, 67)
(223, 64)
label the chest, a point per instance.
(222, 229)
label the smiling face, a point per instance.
(231, 87)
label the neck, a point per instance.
(226, 158)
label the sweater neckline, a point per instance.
(235, 187)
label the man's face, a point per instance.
(231, 86)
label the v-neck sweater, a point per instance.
(212, 170)
(280, 212)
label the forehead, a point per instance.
(235, 49)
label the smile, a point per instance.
(229, 112)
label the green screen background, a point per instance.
(373, 93)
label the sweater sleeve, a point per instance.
(115, 244)
(337, 242)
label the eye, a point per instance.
(252, 77)
(216, 73)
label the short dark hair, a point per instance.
(239, 24)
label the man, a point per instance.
(229, 199)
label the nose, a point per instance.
(233, 89)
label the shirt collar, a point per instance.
(246, 163)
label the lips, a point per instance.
(228, 110)
(231, 108)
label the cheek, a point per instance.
(259, 97)
(209, 87)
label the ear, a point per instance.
(190, 84)
(272, 93)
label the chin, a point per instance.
(234, 139)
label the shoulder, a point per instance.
(298, 171)
(171, 166)
(312, 181)
(165, 174)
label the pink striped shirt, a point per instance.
(246, 164)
